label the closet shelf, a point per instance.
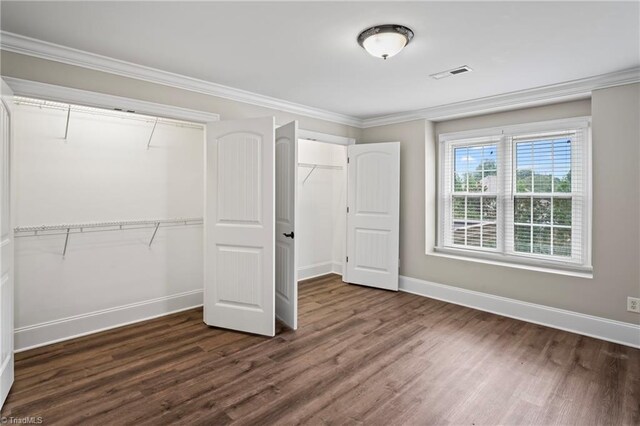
(77, 228)
(316, 166)
(30, 231)
(115, 113)
(319, 166)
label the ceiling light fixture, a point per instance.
(385, 41)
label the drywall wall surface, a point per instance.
(103, 172)
(45, 71)
(616, 197)
(616, 241)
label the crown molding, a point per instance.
(54, 52)
(35, 89)
(571, 90)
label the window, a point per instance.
(518, 194)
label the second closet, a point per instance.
(322, 204)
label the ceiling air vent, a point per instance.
(449, 73)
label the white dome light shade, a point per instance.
(385, 45)
(385, 41)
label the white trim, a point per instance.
(571, 90)
(337, 267)
(601, 328)
(325, 137)
(54, 52)
(566, 91)
(52, 92)
(49, 332)
(317, 270)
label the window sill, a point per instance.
(498, 260)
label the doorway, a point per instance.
(322, 204)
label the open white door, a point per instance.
(286, 187)
(373, 218)
(6, 250)
(239, 225)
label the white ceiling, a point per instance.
(307, 52)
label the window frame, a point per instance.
(476, 142)
(503, 138)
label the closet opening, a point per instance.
(321, 208)
(107, 218)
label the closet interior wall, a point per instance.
(111, 167)
(321, 215)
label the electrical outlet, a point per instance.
(633, 304)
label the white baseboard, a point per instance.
(312, 271)
(588, 325)
(319, 269)
(46, 333)
(336, 268)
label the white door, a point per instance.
(239, 225)
(373, 218)
(286, 187)
(6, 251)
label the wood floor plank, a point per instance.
(360, 356)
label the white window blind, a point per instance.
(520, 195)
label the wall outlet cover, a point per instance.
(633, 304)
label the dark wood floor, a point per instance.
(360, 356)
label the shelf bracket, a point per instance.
(66, 242)
(155, 123)
(66, 128)
(309, 174)
(154, 233)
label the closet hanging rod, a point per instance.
(130, 115)
(30, 231)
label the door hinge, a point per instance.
(347, 258)
(347, 209)
(347, 160)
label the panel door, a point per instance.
(6, 249)
(240, 225)
(373, 218)
(286, 187)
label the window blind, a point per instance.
(520, 194)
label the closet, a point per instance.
(107, 214)
(322, 204)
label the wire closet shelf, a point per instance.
(114, 113)
(82, 228)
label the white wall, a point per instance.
(321, 216)
(103, 172)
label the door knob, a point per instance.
(289, 235)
